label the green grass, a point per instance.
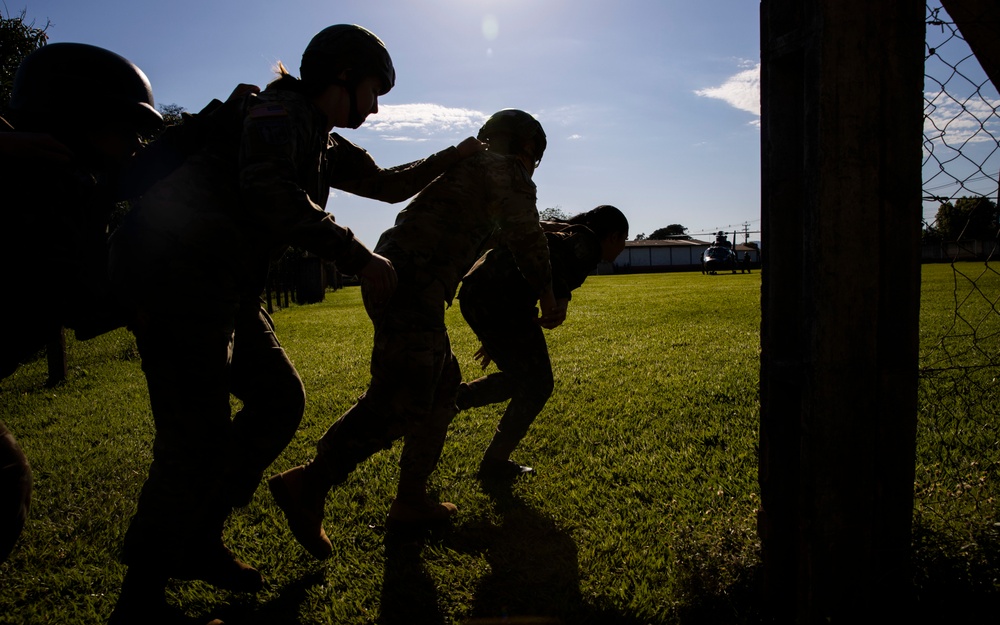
(957, 485)
(643, 509)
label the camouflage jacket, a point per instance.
(484, 198)
(495, 281)
(261, 184)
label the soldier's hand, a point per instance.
(553, 310)
(483, 357)
(381, 278)
(470, 146)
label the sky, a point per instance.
(649, 105)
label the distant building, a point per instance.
(965, 250)
(653, 256)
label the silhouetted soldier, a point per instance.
(76, 115)
(415, 377)
(209, 229)
(499, 305)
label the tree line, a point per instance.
(967, 218)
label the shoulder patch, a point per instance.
(262, 111)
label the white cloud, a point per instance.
(955, 122)
(741, 91)
(574, 137)
(416, 122)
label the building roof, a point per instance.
(740, 247)
(666, 243)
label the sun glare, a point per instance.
(491, 27)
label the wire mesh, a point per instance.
(956, 509)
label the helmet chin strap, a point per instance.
(354, 118)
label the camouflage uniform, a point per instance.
(414, 372)
(499, 306)
(204, 235)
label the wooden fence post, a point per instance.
(841, 134)
(55, 352)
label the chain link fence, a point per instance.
(957, 512)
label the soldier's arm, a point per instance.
(522, 234)
(573, 257)
(354, 170)
(273, 198)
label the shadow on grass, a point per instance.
(534, 572)
(956, 582)
(408, 594)
(282, 609)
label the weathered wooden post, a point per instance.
(55, 352)
(842, 114)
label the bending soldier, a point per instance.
(497, 303)
(434, 241)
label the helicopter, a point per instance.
(719, 256)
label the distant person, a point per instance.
(208, 231)
(498, 304)
(61, 163)
(746, 262)
(415, 376)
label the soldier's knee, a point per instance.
(284, 394)
(540, 388)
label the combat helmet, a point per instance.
(347, 47)
(106, 89)
(508, 129)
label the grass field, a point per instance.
(643, 509)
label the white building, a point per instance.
(651, 256)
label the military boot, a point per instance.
(143, 602)
(197, 555)
(214, 563)
(301, 498)
(406, 515)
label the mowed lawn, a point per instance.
(642, 511)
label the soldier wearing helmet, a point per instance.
(435, 240)
(209, 228)
(499, 306)
(59, 168)
(75, 154)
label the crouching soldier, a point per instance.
(498, 304)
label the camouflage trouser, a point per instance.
(205, 459)
(412, 392)
(15, 491)
(516, 344)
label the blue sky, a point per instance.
(650, 105)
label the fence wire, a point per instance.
(957, 487)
